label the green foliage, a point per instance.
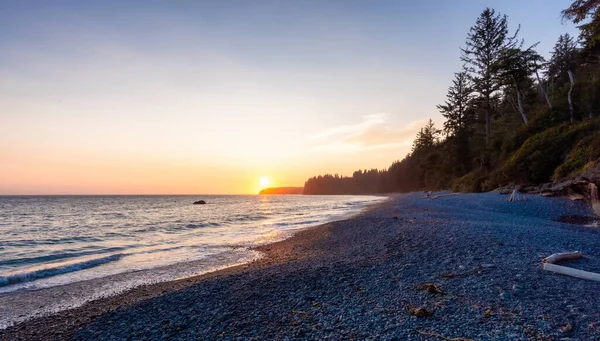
(485, 44)
(585, 152)
(542, 153)
(499, 127)
(471, 182)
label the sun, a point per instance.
(264, 181)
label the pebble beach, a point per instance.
(460, 267)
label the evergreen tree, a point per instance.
(485, 42)
(427, 137)
(456, 109)
(459, 115)
(563, 59)
(514, 69)
(580, 10)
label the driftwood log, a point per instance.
(563, 270)
(559, 257)
(549, 265)
(516, 196)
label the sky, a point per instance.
(207, 97)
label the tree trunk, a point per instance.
(520, 104)
(571, 110)
(542, 90)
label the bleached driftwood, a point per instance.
(575, 197)
(516, 196)
(563, 270)
(433, 197)
(559, 257)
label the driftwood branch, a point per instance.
(443, 337)
(433, 197)
(563, 270)
(559, 257)
(516, 196)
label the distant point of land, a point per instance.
(282, 190)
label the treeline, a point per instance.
(361, 182)
(511, 116)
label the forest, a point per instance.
(511, 116)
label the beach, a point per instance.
(362, 278)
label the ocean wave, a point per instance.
(57, 256)
(194, 226)
(43, 273)
(245, 217)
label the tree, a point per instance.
(514, 69)
(427, 137)
(456, 109)
(563, 59)
(485, 42)
(562, 65)
(580, 10)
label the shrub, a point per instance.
(470, 182)
(542, 153)
(585, 152)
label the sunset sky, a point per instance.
(153, 97)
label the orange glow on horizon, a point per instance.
(264, 182)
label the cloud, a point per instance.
(368, 121)
(372, 133)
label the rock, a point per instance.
(506, 189)
(538, 189)
(592, 174)
(577, 188)
(566, 329)
(517, 289)
(200, 202)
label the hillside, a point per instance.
(512, 116)
(282, 190)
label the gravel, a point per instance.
(358, 279)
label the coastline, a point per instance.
(63, 324)
(360, 278)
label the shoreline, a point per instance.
(362, 278)
(64, 323)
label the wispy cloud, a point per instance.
(372, 133)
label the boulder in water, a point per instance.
(199, 202)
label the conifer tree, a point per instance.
(456, 109)
(485, 42)
(580, 10)
(427, 137)
(514, 70)
(563, 58)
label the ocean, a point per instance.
(58, 252)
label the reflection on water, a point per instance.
(52, 240)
